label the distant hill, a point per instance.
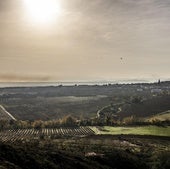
(84, 101)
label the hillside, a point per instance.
(91, 152)
(161, 117)
(146, 108)
(84, 101)
(31, 157)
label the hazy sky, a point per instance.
(88, 40)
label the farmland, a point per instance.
(55, 133)
(88, 127)
(84, 101)
(30, 134)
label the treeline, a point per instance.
(70, 121)
(127, 121)
(67, 121)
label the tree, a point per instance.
(68, 121)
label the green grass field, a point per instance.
(144, 130)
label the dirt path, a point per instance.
(6, 112)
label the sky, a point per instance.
(88, 40)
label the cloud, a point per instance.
(22, 78)
(87, 40)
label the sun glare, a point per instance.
(43, 11)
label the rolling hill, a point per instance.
(146, 108)
(161, 117)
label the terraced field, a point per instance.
(29, 134)
(45, 133)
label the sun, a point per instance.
(42, 11)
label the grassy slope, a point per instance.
(144, 130)
(162, 116)
(147, 108)
(47, 108)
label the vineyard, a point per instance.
(32, 134)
